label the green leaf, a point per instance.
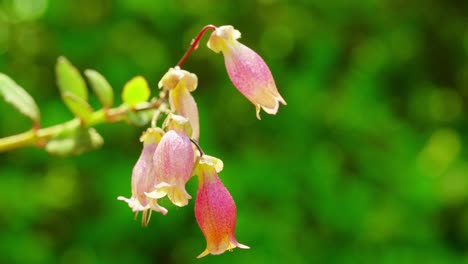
(136, 91)
(19, 98)
(101, 87)
(74, 142)
(61, 146)
(69, 79)
(77, 106)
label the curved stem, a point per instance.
(198, 146)
(194, 44)
(41, 136)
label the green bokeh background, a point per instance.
(367, 163)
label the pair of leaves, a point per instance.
(19, 98)
(74, 91)
(72, 88)
(75, 94)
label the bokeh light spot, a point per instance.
(29, 9)
(441, 150)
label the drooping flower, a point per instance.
(247, 70)
(180, 84)
(215, 210)
(144, 177)
(174, 160)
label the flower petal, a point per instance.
(183, 104)
(176, 193)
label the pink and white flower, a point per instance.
(144, 177)
(174, 160)
(215, 210)
(247, 70)
(180, 84)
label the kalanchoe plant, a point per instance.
(171, 154)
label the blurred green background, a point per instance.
(366, 164)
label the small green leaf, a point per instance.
(77, 106)
(69, 79)
(136, 91)
(19, 98)
(61, 146)
(101, 87)
(74, 142)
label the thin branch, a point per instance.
(198, 146)
(194, 44)
(39, 137)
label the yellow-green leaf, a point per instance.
(101, 87)
(69, 79)
(19, 98)
(77, 106)
(136, 91)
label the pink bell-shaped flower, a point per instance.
(144, 177)
(180, 84)
(215, 210)
(247, 70)
(174, 160)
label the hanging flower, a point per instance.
(247, 70)
(174, 160)
(144, 177)
(180, 84)
(215, 210)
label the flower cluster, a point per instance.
(171, 154)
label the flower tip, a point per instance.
(176, 194)
(211, 161)
(152, 136)
(156, 194)
(232, 245)
(239, 245)
(257, 110)
(179, 197)
(270, 110)
(204, 253)
(280, 99)
(161, 209)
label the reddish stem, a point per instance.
(194, 44)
